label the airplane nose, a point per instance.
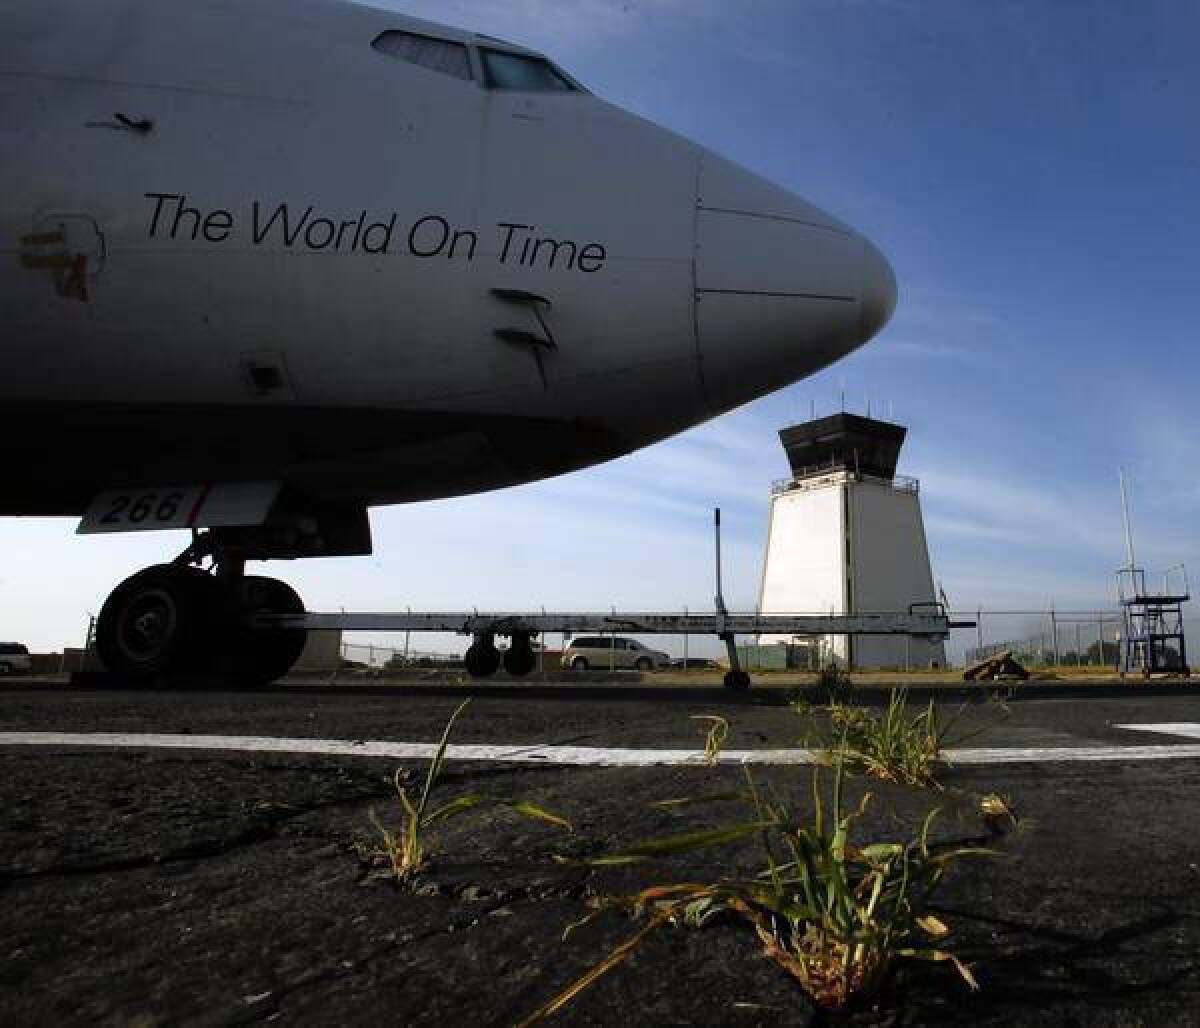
(878, 292)
(782, 288)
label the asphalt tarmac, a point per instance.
(161, 885)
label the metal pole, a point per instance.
(979, 630)
(685, 642)
(720, 598)
(1078, 645)
(1054, 634)
(719, 602)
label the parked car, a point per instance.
(611, 651)
(14, 658)
(696, 664)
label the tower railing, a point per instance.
(818, 478)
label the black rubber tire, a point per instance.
(254, 657)
(519, 658)
(579, 664)
(737, 681)
(644, 664)
(157, 622)
(481, 660)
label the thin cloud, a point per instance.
(930, 351)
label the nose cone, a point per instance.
(878, 299)
(782, 288)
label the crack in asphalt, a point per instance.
(252, 835)
(262, 829)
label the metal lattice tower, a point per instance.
(1152, 639)
(1152, 620)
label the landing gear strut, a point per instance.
(176, 620)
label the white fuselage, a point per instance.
(237, 242)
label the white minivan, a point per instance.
(14, 658)
(602, 652)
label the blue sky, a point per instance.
(1031, 170)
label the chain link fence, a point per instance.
(1053, 638)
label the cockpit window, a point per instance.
(517, 71)
(435, 54)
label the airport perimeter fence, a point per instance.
(1053, 638)
(374, 657)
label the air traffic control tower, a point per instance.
(846, 537)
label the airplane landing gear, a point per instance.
(519, 658)
(737, 681)
(158, 621)
(257, 656)
(176, 620)
(482, 658)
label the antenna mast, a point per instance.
(1125, 517)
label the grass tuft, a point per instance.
(834, 914)
(834, 684)
(406, 850)
(896, 745)
(715, 736)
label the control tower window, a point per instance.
(517, 71)
(435, 54)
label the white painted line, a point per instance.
(401, 750)
(573, 755)
(1069, 754)
(1187, 729)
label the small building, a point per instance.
(846, 536)
(322, 651)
